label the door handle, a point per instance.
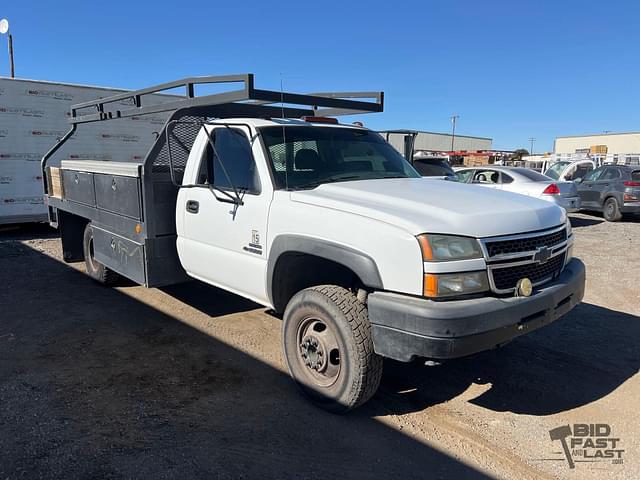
(193, 206)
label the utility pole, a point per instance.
(454, 119)
(4, 28)
(13, 71)
(532, 140)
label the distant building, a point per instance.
(599, 144)
(436, 142)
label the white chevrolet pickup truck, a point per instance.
(325, 224)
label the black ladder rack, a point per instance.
(255, 102)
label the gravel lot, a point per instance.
(188, 382)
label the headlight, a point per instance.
(569, 230)
(438, 248)
(450, 284)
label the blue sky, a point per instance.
(510, 69)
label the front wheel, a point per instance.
(328, 348)
(611, 210)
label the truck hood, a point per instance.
(418, 205)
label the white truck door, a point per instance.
(219, 242)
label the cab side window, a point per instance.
(230, 164)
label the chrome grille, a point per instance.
(527, 244)
(506, 278)
(537, 256)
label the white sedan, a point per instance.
(523, 181)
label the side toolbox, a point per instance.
(118, 194)
(78, 187)
(119, 254)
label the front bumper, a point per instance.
(406, 327)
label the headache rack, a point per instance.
(246, 101)
(129, 203)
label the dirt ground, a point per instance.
(188, 382)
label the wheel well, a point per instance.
(295, 271)
(72, 235)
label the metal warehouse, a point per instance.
(440, 142)
(605, 143)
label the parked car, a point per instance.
(429, 166)
(613, 190)
(570, 170)
(524, 181)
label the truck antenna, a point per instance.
(284, 142)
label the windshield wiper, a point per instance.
(328, 180)
(394, 176)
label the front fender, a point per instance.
(358, 262)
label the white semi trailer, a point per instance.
(34, 114)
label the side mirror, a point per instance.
(578, 180)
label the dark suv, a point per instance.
(611, 189)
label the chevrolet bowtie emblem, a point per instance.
(542, 255)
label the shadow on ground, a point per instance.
(572, 362)
(94, 384)
(594, 218)
(577, 222)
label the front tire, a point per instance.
(328, 348)
(95, 269)
(611, 210)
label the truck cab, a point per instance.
(328, 226)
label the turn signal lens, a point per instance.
(425, 246)
(430, 285)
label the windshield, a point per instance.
(556, 169)
(306, 156)
(433, 168)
